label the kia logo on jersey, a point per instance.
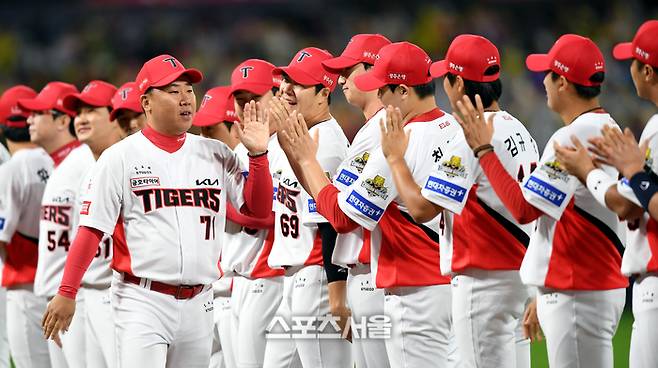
(207, 182)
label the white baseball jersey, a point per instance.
(296, 239)
(245, 250)
(23, 181)
(575, 245)
(403, 253)
(483, 234)
(171, 206)
(641, 254)
(99, 273)
(350, 247)
(4, 154)
(57, 227)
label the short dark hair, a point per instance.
(585, 92)
(320, 87)
(488, 91)
(57, 113)
(16, 134)
(422, 90)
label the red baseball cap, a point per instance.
(644, 46)
(9, 106)
(163, 70)
(96, 93)
(398, 63)
(51, 97)
(575, 57)
(306, 68)
(253, 75)
(362, 48)
(469, 56)
(216, 107)
(126, 98)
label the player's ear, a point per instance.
(403, 90)
(145, 101)
(459, 81)
(649, 74)
(562, 84)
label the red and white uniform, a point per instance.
(57, 230)
(482, 246)
(23, 182)
(404, 254)
(298, 248)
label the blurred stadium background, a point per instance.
(76, 41)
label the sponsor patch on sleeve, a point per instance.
(312, 206)
(2, 223)
(346, 178)
(445, 188)
(369, 209)
(84, 210)
(546, 191)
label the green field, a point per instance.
(621, 342)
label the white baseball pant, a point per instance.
(4, 342)
(24, 313)
(421, 327)
(579, 326)
(73, 340)
(644, 338)
(225, 329)
(254, 303)
(487, 316)
(365, 300)
(156, 330)
(99, 329)
(305, 296)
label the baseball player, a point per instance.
(352, 250)
(404, 253)
(482, 246)
(640, 255)
(94, 128)
(574, 253)
(257, 288)
(127, 110)
(51, 128)
(300, 231)
(23, 181)
(166, 190)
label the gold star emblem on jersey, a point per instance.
(453, 167)
(648, 160)
(375, 187)
(554, 171)
(360, 162)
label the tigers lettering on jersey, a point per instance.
(156, 198)
(57, 214)
(287, 197)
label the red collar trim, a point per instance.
(427, 116)
(167, 143)
(60, 154)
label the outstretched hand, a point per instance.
(394, 138)
(253, 130)
(58, 317)
(576, 160)
(477, 130)
(295, 139)
(619, 150)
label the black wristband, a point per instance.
(644, 187)
(258, 155)
(482, 148)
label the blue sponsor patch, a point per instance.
(364, 206)
(245, 174)
(347, 178)
(545, 190)
(624, 182)
(2, 223)
(312, 206)
(274, 191)
(446, 189)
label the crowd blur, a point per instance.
(110, 39)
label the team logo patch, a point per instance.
(207, 181)
(555, 171)
(346, 178)
(546, 191)
(146, 181)
(143, 170)
(375, 187)
(2, 223)
(277, 174)
(453, 167)
(84, 210)
(369, 209)
(43, 175)
(648, 160)
(312, 206)
(360, 162)
(445, 188)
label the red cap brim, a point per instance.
(202, 119)
(368, 82)
(297, 75)
(72, 102)
(33, 104)
(538, 62)
(194, 75)
(439, 68)
(255, 88)
(623, 51)
(340, 63)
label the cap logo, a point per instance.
(124, 93)
(143, 83)
(302, 55)
(16, 110)
(172, 61)
(245, 71)
(328, 80)
(230, 113)
(598, 65)
(492, 60)
(456, 67)
(88, 87)
(370, 55)
(59, 102)
(399, 76)
(206, 98)
(561, 66)
(643, 54)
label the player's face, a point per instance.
(454, 92)
(242, 97)
(389, 97)
(353, 95)
(551, 87)
(171, 107)
(224, 132)
(302, 98)
(41, 126)
(92, 124)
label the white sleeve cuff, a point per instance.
(598, 183)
